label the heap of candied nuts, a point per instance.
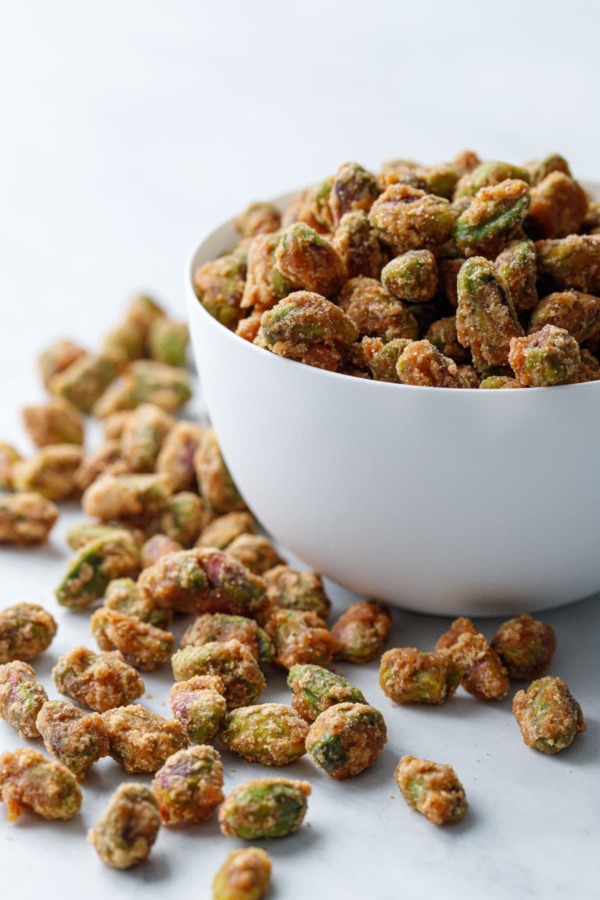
(169, 535)
(466, 274)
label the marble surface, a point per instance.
(127, 131)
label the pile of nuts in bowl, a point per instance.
(466, 274)
(168, 535)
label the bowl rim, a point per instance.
(195, 306)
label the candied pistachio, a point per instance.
(290, 589)
(26, 518)
(58, 357)
(54, 422)
(143, 646)
(8, 457)
(481, 670)
(50, 473)
(99, 681)
(26, 630)
(80, 535)
(146, 381)
(223, 530)
(315, 689)
(255, 552)
(422, 364)
(168, 342)
(183, 517)
(86, 379)
(346, 739)
(21, 698)
(124, 596)
(353, 188)
(249, 328)
(215, 482)
(441, 178)
(499, 383)
(488, 174)
(265, 284)
(264, 808)
(577, 313)
(188, 787)
(485, 318)
(75, 738)
(244, 875)
(309, 262)
(258, 218)
(526, 646)
(144, 311)
(492, 219)
(199, 705)
(219, 286)
(156, 547)
(571, 262)
(143, 435)
(203, 580)
(232, 661)
(307, 318)
(94, 566)
(30, 782)
(558, 207)
(362, 631)
(140, 740)
(407, 675)
(540, 169)
(469, 376)
(376, 312)
(407, 218)
(384, 362)
(412, 277)
(128, 497)
(268, 733)
(176, 457)
(299, 637)
(433, 789)
(359, 246)
(442, 334)
(221, 627)
(545, 358)
(548, 715)
(311, 207)
(128, 340)
(466, 161)
(517, 266)
(128, 827)
(107, 459)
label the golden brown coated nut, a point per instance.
(50, 473)
(188, 787)
(255, 552)
(75, 738)
(26, 630)
(21, 698)
(223, 530)
(176, 456)
(128, 828)
(433, 789)
(140, 740)
(244, 875)
(26, 518)
(215, 482)
(422, 364)
(299, 637)
(407, 675)
(362, 631)
(407, 218)
(269, 733)
(30, 782)
(526, 646)
(346, 739)
(231, 661)
(142, 645)
(55, 422)
(481, 669)
(291, 589)
(212, 627)
(100, 681)
(548, 715)
(309, 262)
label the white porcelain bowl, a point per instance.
(440, 501)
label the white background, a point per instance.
(127, 130)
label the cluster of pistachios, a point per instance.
(464, 274)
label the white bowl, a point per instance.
(440, 501)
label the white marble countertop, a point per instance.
(128, 129)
